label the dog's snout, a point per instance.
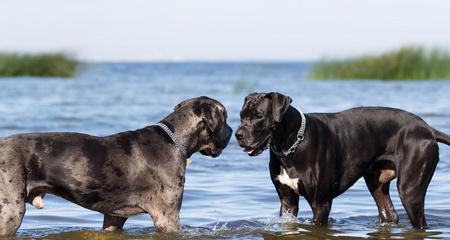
(230, 130)
(229, 133)
(239, 134)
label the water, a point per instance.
(230, 197)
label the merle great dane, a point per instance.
(320, 155)
(121, 175)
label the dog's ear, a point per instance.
(183, 103)
(210, 115)
(251, 96)
(212, 121)
(280, 104)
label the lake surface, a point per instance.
(230, 197)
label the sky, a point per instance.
(221, 30)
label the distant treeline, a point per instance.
(407, 63)
(39, 65)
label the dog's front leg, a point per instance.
(288, 199)
(164, 208)
(165, 212)
(166, 221)
(112, 223)
(321, 211)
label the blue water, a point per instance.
(231, 196)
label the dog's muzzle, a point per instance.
(251, 149)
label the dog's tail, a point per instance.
(441, 137)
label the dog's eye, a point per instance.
(259, 115)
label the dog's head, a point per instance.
(210, 119)
(260, 115)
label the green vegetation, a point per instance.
(408, 63)
(39, 65)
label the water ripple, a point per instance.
(230, 197)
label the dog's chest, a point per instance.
(286, 180)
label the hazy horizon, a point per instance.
(230, 31)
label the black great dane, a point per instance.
(320, 155)
(121, 175)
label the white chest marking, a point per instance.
(286, 180)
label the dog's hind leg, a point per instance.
(12, 196)
(112, 223)
(380, 193)
(414, 176)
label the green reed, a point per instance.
(39, 65)
(407, 63)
